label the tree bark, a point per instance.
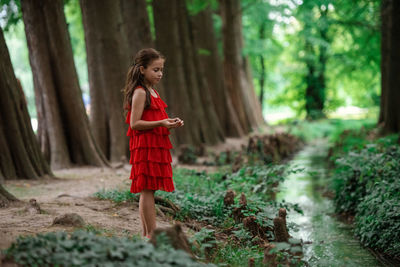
(137, 29)
(137, 26)
(20, 155)
(183, 80)
(212, 70)
(385, 47)
(392, 78)
(108, 60)
(316, 59)
(261, 34)
(236, 69)
(64, 131)
(176, 95)
(211, 131)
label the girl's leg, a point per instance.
(148, 211)
(142, 220)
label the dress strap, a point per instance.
(156, 93)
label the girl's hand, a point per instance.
(181, 123)
(171, 123)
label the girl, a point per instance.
(149, 142)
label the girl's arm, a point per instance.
(138, 101)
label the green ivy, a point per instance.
(367, 184)
(83, 248)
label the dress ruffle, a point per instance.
(150, 155)
(155, 183)
(150, 140)
(151, 169)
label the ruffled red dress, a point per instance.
(150, 151)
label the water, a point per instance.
(332, 243)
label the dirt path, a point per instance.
(71, 192)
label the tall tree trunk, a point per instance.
(137, 25)
(385, 48)
(236, 69)
(183, 80)
(137, 29)
(20, 155)
(64, 131)
(196, 85)
(177, 98)
(107, 57)
(261, 35)
(212, 70)
(312, 89)
(316, 66)
(392, 92)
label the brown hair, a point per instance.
(135, 78)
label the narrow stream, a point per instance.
(332, 242)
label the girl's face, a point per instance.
(154, 71)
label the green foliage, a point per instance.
(295, 34)
(10, 14)
(366, 181)
(378, 216)
(356, 173)
(187, 155)
(86, 249)
(201, 197)
(330, 128)
(196, 6)
(205, 240)
(230, 254)
(116, 195)
(203, 208)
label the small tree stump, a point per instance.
(229, 198)
(282, 214)
(33, 207)
(237, 164)
(176, 236)
(250, 224)
(69, 219)
(280, 231)
(243, 200)
(251, 262)
(269, 258)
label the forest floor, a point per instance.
(72, 191)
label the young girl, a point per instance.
(149, 142)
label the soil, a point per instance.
(71, 192)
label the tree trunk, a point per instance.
(212, 70)
(20, 155)
(137, 29)
(176, 95)
(236, 69)
(385, 47)
(211, 131)
(392, 92)
(316, 65)
(5, 197)
(137, 26)
(261, 34)
(107, 57)
(183, 80)
(313, 102)
(64, 131)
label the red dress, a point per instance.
(150, 155)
